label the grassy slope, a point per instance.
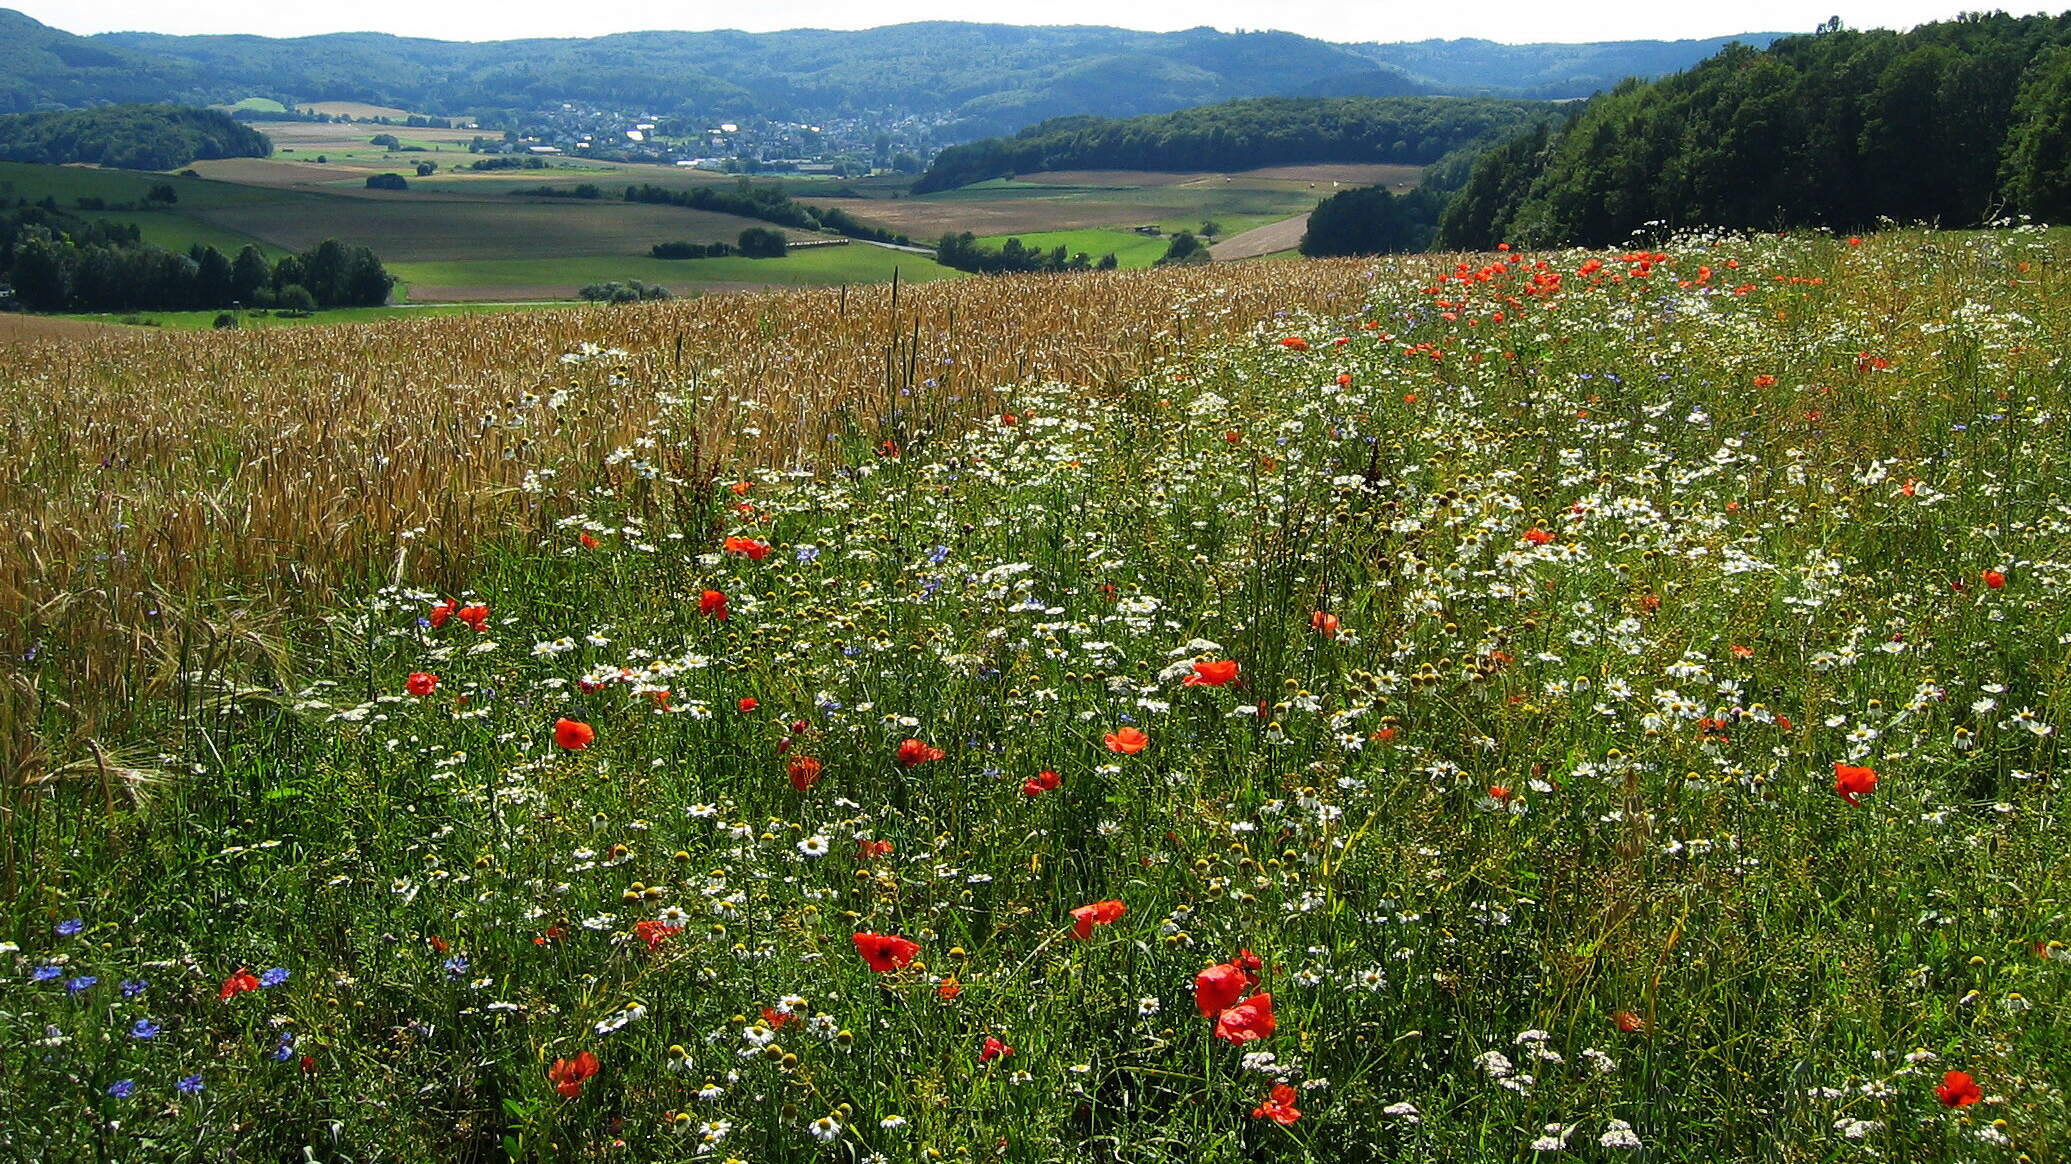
(855, 263)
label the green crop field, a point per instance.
(408, 228)
(1442, 708)
(1129, 248)
(560, 277)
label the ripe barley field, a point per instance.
(1495, 707)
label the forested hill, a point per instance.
(1954, 122)
(130, 137)
(1240, 135)
(981, 78)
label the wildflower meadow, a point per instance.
(1501, 707)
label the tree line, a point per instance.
(55, 261)
(129, 137)
(962, 252)
(1239, 135)
(767, 202)
(1958, 122)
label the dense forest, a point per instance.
(54, 261)
(1239, 135)
(129, 137)
(979, 78)
(1372, 220)
(1956, 123)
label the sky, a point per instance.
(1509, 21)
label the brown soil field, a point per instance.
(409, 228)
(19, 329)
(551, 292)
(1265, 240)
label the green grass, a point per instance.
(177, 232)
(855, 263)
(1473, 688)
(261, 105)
(1131, 250)
(68, 184)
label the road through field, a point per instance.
(1283, 235)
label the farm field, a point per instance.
(1131, 250)
(462, 236)
(1440, 708)
(1080, 200)
(560, 278)
(206, 320)
(406, 227)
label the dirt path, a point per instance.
(1283, 235)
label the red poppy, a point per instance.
(1278, 1107)
(1994, 579)
(476, 616)
(913, 752)
(573, 735)
(1248, 1021)
(1323, 622)
(713, 602)
(1295, 343)
(1537, 536)
(441, 611)
(748, 703)
(568, 1075)
(804, 772)
(993, 1049)
(1250, 964)
(866, 850)
(1212, 673)
(885, 952)
(1127, 741)
(777, 1018)
(1765, 381)
(1958, 1089)
(1854, 782)
(1344, 379)
(753, 550)
(948, 989)
(421, 683)
(589, 542)
(238, 983)
(1218, 988)
(653, 933)
(1100, 913)
(1629, 1023)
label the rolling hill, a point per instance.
(980, 79)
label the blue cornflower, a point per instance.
(273, 977)
(456, 965)
(45, 973)
(938, 555)
(131, 987)
(121, 1088)
(83, 982)
(68, 927)
(143, 1028)
(189, 1085)
(286, 1050)
(808, 554)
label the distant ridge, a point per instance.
(976, 79)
